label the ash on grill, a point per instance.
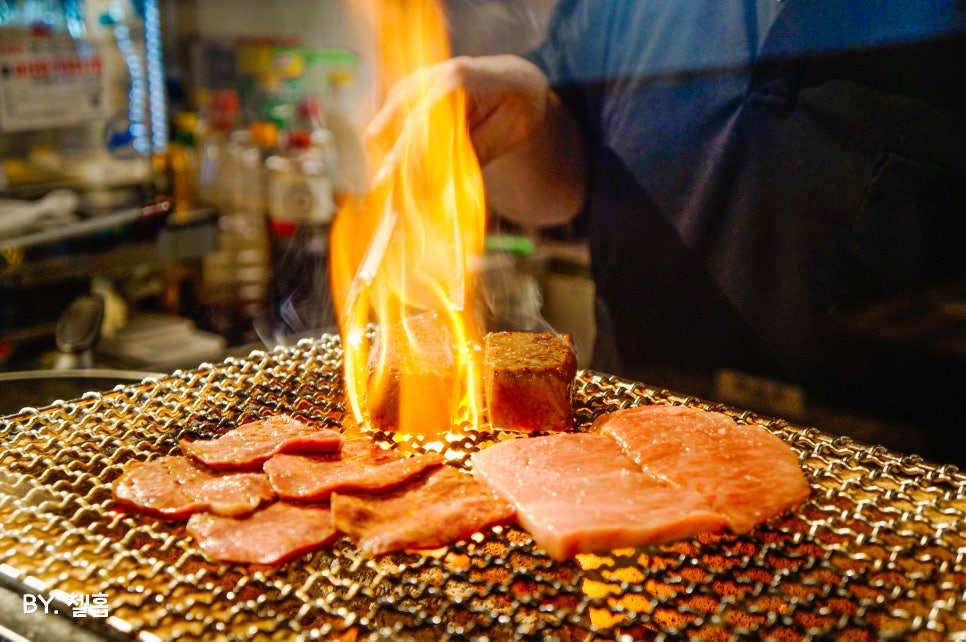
(877, 552)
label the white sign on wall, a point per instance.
(48, 82)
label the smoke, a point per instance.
(481, 27)
(300, 301)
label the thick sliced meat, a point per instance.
(745, 472)
(412, 362)
(439, 507)
(528, 377)
(578, 493)
(360, 465)
(176, 487)
(273, 534)
(250, 445)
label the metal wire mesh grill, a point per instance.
(878, 552)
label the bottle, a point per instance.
(238, 274)
(215, 167)
(311, 120)
(351, 174)
(301, 208)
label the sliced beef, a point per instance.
(528, 378)
(273, 534)
(412, 383)
(360, 465)
(745, 472)
(440, 507)
(176, 487)
(579, 493)
(250, 445)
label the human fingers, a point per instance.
(505, 103)
(509, 98)
(432, 82)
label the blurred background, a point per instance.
(182, 159)
(169, 170)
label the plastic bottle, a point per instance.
(311, 120)
(215, 168)
(351, 172)
(254, 192)
(238, 274)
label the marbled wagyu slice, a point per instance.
(744, 472)
(579, 493)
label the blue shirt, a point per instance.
(760, 165)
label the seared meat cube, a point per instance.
(528, 378)
(412, 384)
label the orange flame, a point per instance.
(404, 251)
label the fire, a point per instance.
(401, 255)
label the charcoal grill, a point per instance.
(878, 552)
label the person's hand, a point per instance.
(525, 139)
(507, 100)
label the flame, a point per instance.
(404, 251)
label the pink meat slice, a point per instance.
(273, 534)
(360, 465)
(745, 472)
(175, 487)
(440, 507)
(250, 445)
(578, 493)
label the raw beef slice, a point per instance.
(745, 472)
(440, 507)
(176, 487)
(579, 493)
(250, 445)
(276, 533)
(361, 465)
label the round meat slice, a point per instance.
(175, 487)
(361, 465)
(250, 445)
(271, 535)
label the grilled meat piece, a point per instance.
(412, 384)
(175, 487)
(441, 506)
(528, 379)
(273, 534)
(250, 445)
(361, 465)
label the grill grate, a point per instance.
(878, 552)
